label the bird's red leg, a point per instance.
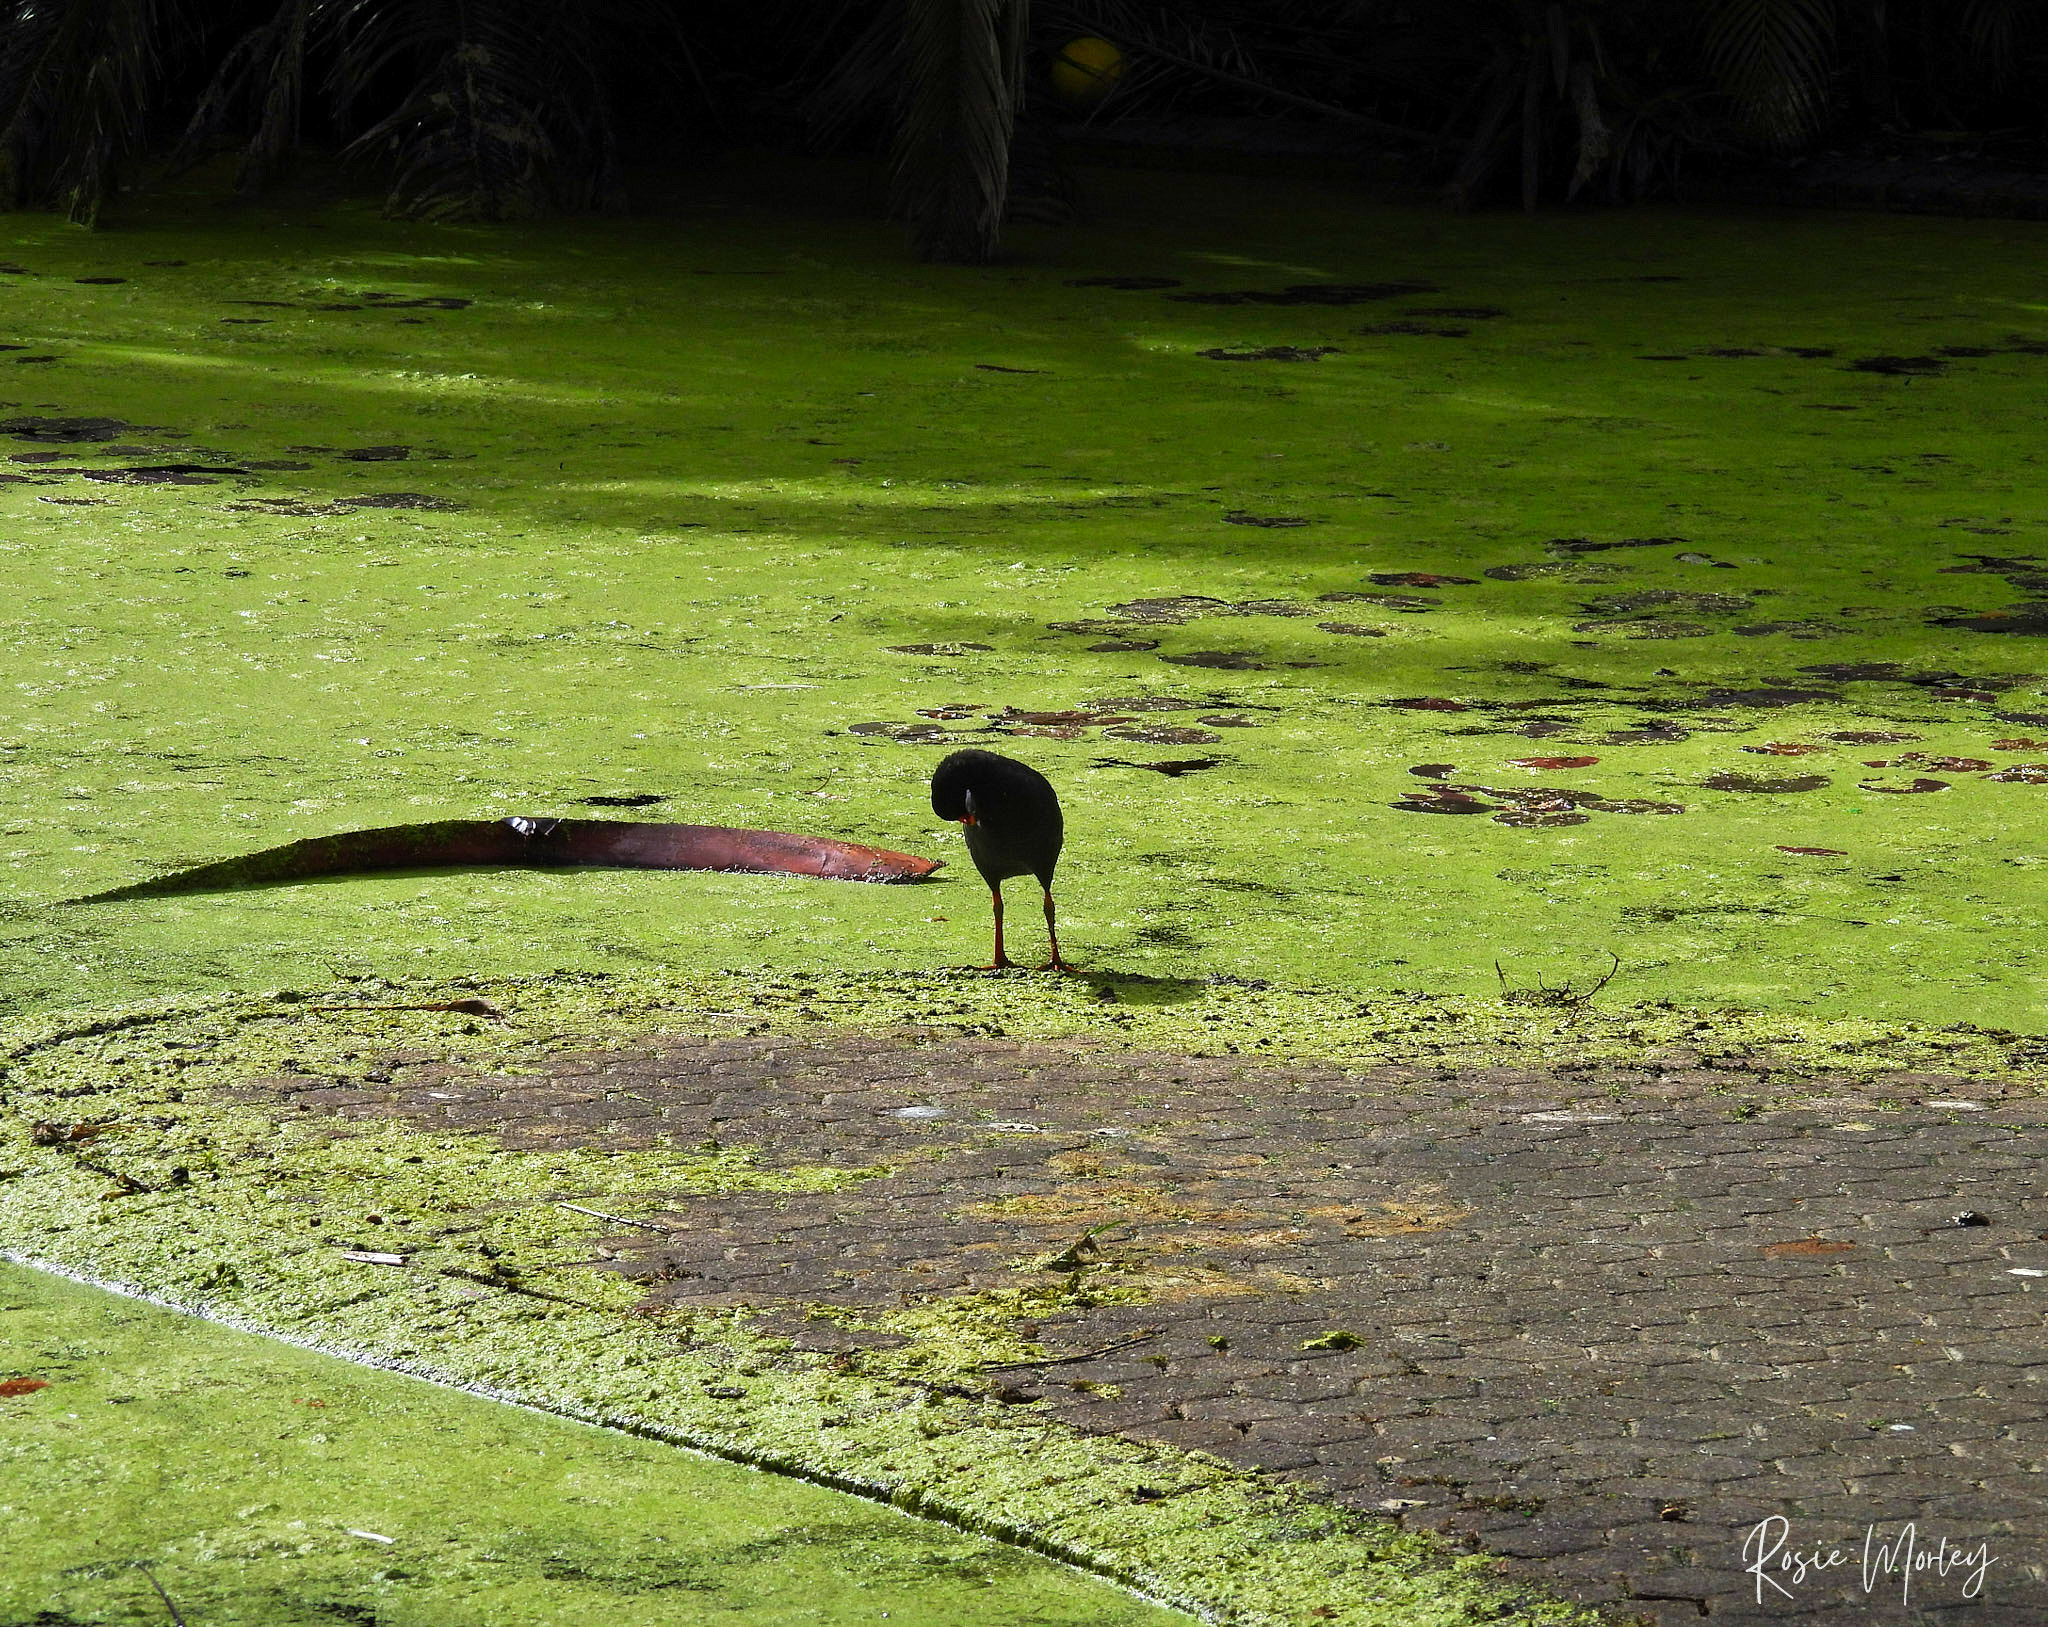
(1053, 937)
(995, 894)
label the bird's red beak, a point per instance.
(968, 819)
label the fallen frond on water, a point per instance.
(537, 843)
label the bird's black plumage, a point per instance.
(1012, 821)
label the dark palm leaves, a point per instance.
(1772, 58)
(504, 110)
(965, 60)
(76, 79)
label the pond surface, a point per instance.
(1231, 511)
(265, 1484)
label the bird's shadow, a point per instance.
(1139, 989)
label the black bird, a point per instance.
(1011, 818)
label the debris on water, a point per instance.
(1407, 603)
(940, 649)
(1918, 787)
(1418, 329)
(1551, 762)
(1785, 748)
(1271, 353)
(1168, 611)
(71, 431)
(1164, 734)
(1123, 646)
(162, 474)
(1428, 703)
(2022, 774)
(1817, 852)
(1919, 366)
(1868, 737)
(1420, 579)
(1632, 805)
(636, 800)
(1763, 784)
(1443, 800)
(1764, 697)
(1134, 283)
(1088, 718)
(1229, 720)
(1698, 604)
(1271, 522)
(1563, 570)
(916, 734)
(399, 499)
(1144, 703)
(1221, 660)
(1350, 629)
(377, 454)
(1938, 765)
(1643, 627)
(1650, 734)
(997, 367)
(1172, 768)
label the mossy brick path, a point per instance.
(1599, 1320)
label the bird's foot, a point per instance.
(1058, 965)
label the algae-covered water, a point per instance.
(1700, 513)
(262, 1484)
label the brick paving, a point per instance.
(1602, 1321)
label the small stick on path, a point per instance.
(618, 1220)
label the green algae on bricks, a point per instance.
(517, 1317)
(309, 1487)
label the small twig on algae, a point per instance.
(1138, 1338)
(161, 1594)
(619, 1220)
(1563, 995)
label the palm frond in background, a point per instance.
(964, 68)
(266, 66)
(1772, 58)
(77, 80)
(506, 114)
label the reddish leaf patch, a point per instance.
(1553, 762)
(22, 1386)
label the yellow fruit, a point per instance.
(1086, 70)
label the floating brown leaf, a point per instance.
(1553, 762)
(22, 1386)
(1772, 787)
